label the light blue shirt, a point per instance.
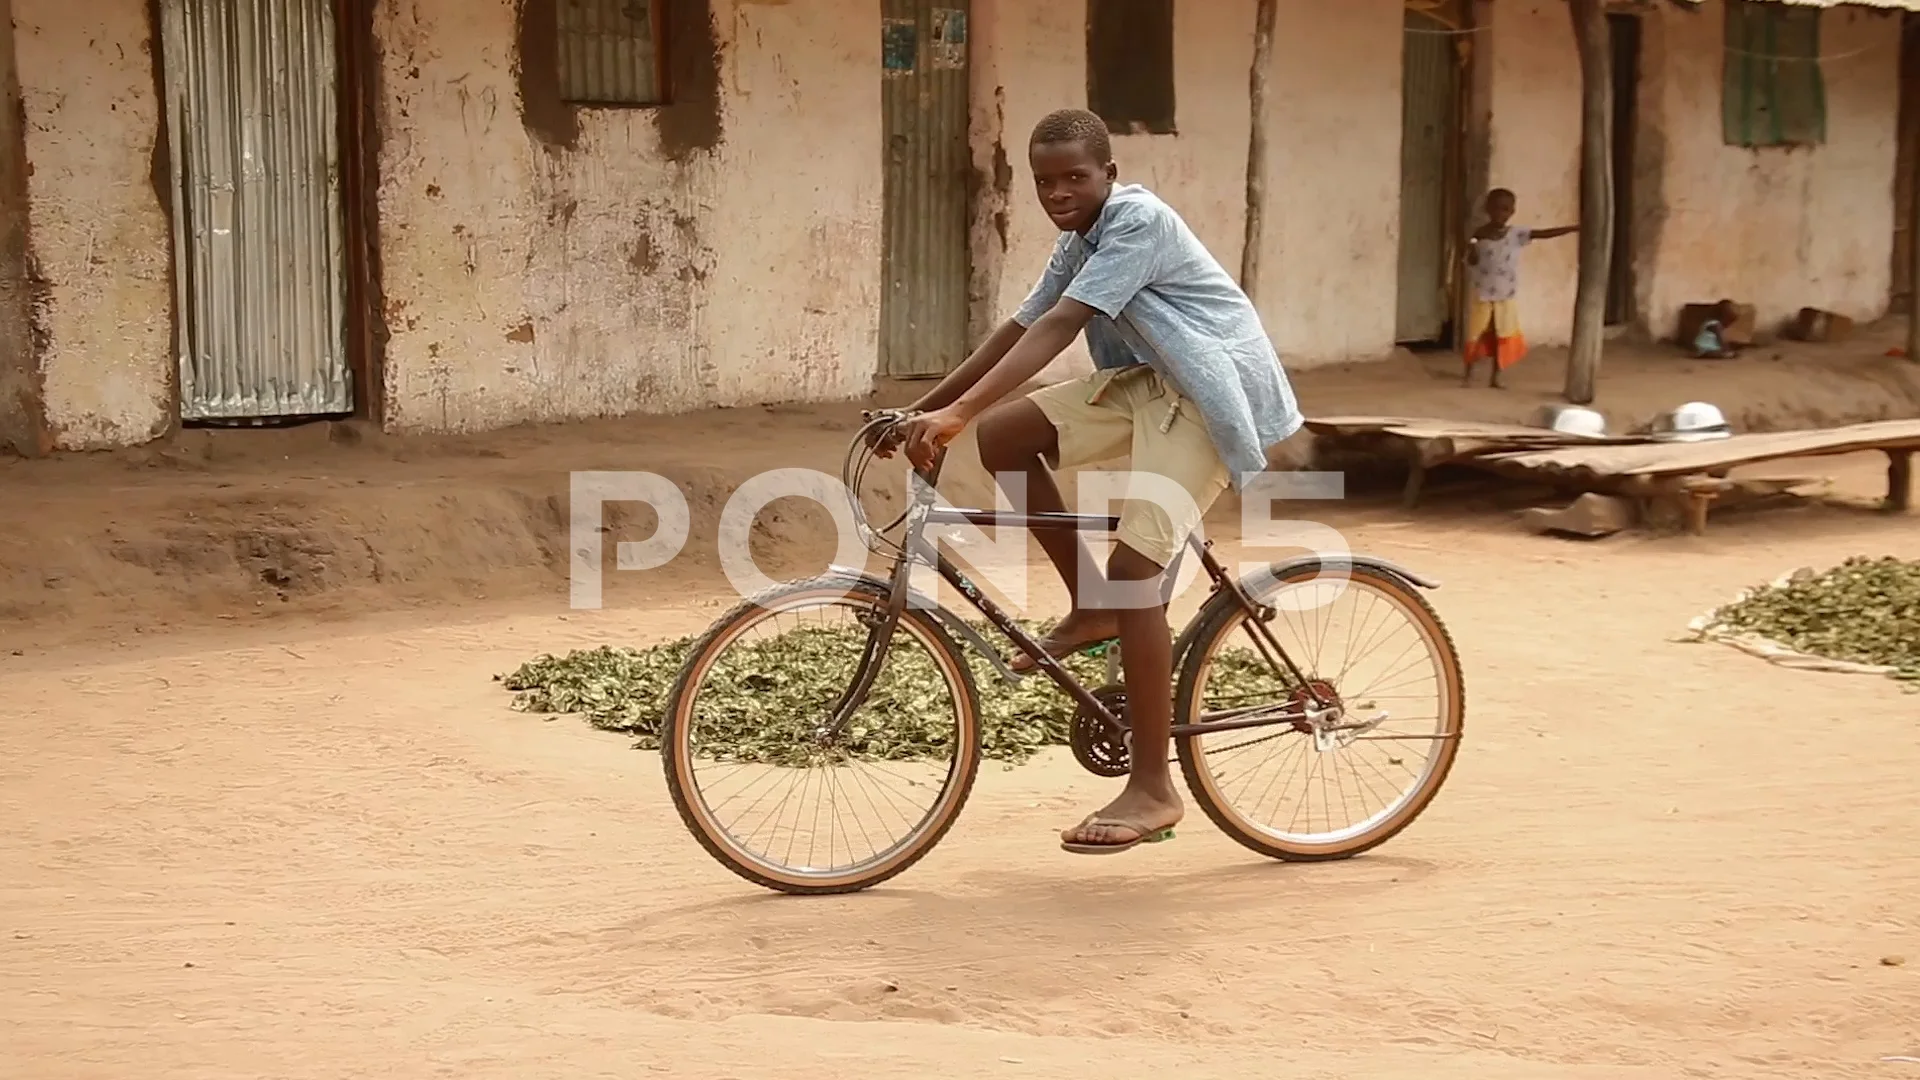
(1165, 301)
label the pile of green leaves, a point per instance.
(1863, 611)
(760, 702)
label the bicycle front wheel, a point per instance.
(781, 804)
(1365, 641)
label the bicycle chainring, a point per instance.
(1098, 748)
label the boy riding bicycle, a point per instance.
(1186, 380)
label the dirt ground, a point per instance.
(296, 831)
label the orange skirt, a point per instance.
(1493, 330)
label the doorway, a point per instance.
(1624, 34)
(1431, 141)
(1905, 154)
(259, 233)
(924, 261)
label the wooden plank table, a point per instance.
(1426, 442)
(1694, 473)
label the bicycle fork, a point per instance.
(880, 631)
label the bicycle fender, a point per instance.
(953, 624)
(1185, 641)
(1337, 564)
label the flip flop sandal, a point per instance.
(1024, 665)
(1146, 836)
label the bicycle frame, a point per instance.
(1057, 671)
(919, 549)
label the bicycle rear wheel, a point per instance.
(1354, 789)
(820, 816)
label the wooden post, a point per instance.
(1699, 493)
(1900, 471)
(1909, 147)
(1416, 476)
(1256, 212)
(1422, 455)
(1591, 34)
(1913, 257)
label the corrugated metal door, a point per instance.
(257, 228)
(923, 312)
(1429, 110)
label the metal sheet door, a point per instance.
(257, 227)
(1429, 113)
(923, 310)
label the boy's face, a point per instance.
(1072, 185)
(1500, 208)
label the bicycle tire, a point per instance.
(676, 758)
(1211, 625)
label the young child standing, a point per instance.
(1493, 261)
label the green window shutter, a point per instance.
(1773, 92)
(1738, 89)
(1801, 97)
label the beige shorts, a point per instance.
(1133, 413)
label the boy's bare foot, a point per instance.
(1136, 817)
(1079, 631)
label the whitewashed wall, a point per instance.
(98, 232)
(525, 283)
(1781, 229)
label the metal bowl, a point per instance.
(1696, 421)
(1571, 420)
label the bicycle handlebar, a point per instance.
(873, 437)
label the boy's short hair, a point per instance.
(1075, 125)
(1500, 191)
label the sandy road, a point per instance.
(333, 852)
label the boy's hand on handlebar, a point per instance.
(883, 439)
(927, 434)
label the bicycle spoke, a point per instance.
(1364, 652)
(778, 793)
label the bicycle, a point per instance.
(1313, 709)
